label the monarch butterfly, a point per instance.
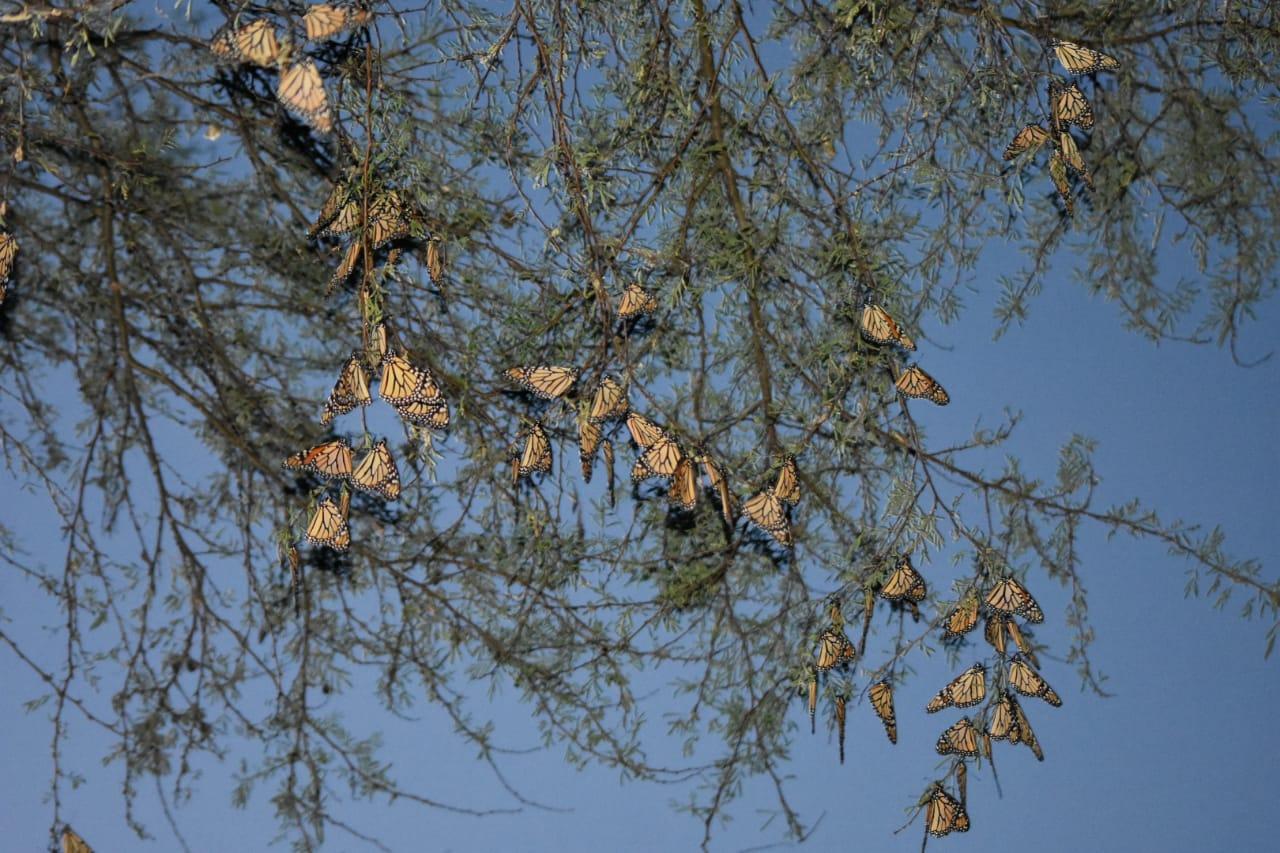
(325, 20)
(835, 611)
(608, 401)
(813, 702)
(387, 219)
(994, 632)
(606, 450)
(660, 459)
(881, 694)
(766, 512)
(879, 328)
(1068, 105)
(834, 649)
(335, 204)
(1015, 634)
(1028, 682)
(346, 266)
(841, 712)
(331, 459)
(968, 688)
(717, 482)
(255, 42)
(1078, 59)
(636, 301)
(302, 91)
(328, 526)
(999, 627)
(944, 814)
(377, 474)
(684, 485)
(589, 436)
(350, 391)
(402, 383)
(1071, 157)
(1030, 138)
(433, 414)
(960, 739)
(545, 382)
(787, 489)
(435, 260)
(904, 584)
(295, 576)
(914, 382)
(534, 456)
(345, 220)
(1058, 172)
(644, 432)
(73, 843)
(381, 339)
(1009, 597)
(963, 618)
(1008, 722)
(8, 251)
(962, 782)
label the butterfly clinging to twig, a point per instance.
(254, 42)
(330, 459)
(530, 453)
(967, 688)
(350, 391)
(914, 382)
(328, 525)
(542, 381)
(1079, 59)
(301, 90)
(326, 20)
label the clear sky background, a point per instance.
(1185, 756)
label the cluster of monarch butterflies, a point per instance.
(8, 253)
(300, 88)
(385, 221)
(661, 454)
(1067, 106)
(415, 395)
(1003, 603)
(381, 219)
(878, 327)
(530, 453)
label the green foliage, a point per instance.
(167, 342)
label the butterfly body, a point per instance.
(301, 90)
(968, 688)
(255, 43)
(881, 695)
(542, 381)
(914, 382)
(328, 526)
(530, 454)
(1079, 59)
(879, 328)
(326, 20)
(349, 392)
(332, 459)
(377, 474)
(959, 739)
(945, 814)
